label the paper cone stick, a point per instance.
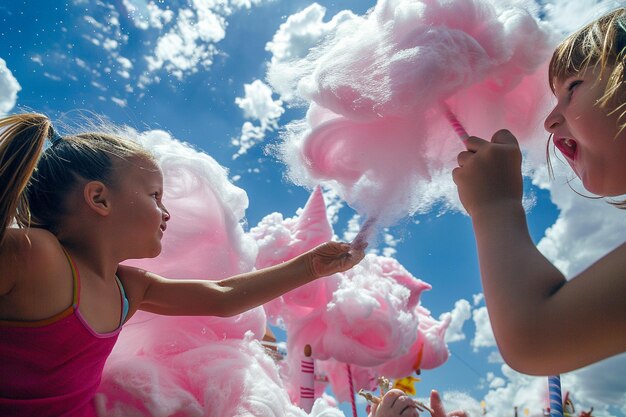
(307, 380)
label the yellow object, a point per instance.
(406, 384)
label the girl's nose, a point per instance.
(553, 120)
(166, 214)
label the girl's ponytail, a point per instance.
(22, 137)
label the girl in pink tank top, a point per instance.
(89, 202)
(43, 381)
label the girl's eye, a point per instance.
(572, 86)
(156, 195)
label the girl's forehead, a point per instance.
(142, 167)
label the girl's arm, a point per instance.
(543, 324)
(236, 294)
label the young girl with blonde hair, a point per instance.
(70, 213)
(532, 307)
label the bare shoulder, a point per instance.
(136, 282)
(28, 252)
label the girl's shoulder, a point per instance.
(28, 252)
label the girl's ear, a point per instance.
(96, 196)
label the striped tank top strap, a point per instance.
(76, 280)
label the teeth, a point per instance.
(569, 143)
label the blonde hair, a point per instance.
(601, 44)
(34, 181)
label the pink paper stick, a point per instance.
(307, 383)
(364, 233)
(454, 122)
(351, 384)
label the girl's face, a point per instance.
(141, 216)
(587, 135)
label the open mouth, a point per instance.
(163, 227)
(567, 147)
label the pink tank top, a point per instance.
(53, 367)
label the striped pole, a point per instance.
(307, 381)
(351, 385)
(556, 402)
(454, 122)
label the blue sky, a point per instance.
(121, 59)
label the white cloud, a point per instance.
(585, 230)
(566, 16)
(334, 204)
(147, 14)
(189, 44)
(484, 334)
(478, 298)
(120, 102)
(9, 87)
(460, 314)
(257, 104)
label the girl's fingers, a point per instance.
(474, 143)
(436, 404)
(504, 137)
(463, 157)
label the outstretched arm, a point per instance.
(542, 323)
(239, 293)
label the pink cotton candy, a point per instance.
(375, 130)
(368, 317)
(281, 239)
(227, 378)
(208, 366)
(147, 370)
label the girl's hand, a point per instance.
(332, 257)
(489, 172)
(396, 403)
(437, 406)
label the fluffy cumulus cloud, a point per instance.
(258, 105)
(484, 337)
(9, 87)
(567, 16)
(459, 315)
(178, 39)
(188, 37)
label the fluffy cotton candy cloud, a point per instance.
(367, 317)
(375, 130)
(9, 87)
(257, 104)
(293, 41)
(222, 378)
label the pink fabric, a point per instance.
(53, 369)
